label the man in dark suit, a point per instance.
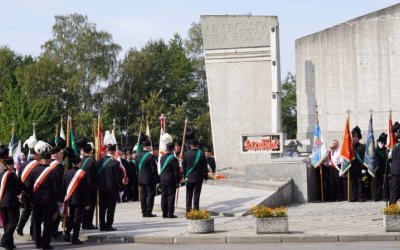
(381, 156)
(169, 179)
(76, 193)
(210, 160)
(24, 172)
(357, 166)
(90, 167)
(195, 170)
(109, 178)
(148, 178)
(395, 170)
(9, 201)
(43, 187)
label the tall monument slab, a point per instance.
(351, 66)
(243, 78)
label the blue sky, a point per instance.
(26, 24)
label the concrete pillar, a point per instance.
(276, 117)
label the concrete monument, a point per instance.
(243, 78)
(351, 66)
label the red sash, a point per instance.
(3, 183)
(54, 164)
(332, 163)
(78, 176)
(27, 170)
(41, 178)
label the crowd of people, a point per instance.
(56, 183)
(383, 185)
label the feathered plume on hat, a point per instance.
(109, 140)
(43, 148)
(30, 142)
(166, 138)
(356, 132)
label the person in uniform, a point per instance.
(357, 166)
(394, 154)
(56, 162)
(76, 194)
(43, 187)
(135, 176)
(381, 156)
(24, 171)
(9, 199)
(128, 165)
(89, 165)
(148, 177)
(169, 179)
(132, 175)
(194, 166)
(109, 177)
(210, 161)
(335, 175)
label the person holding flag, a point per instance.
(24, 172)
(170, 176)
(357, 166)
(148, 177)
(335, 177)
(89, 165)
(395, 169)
(76, 197)
(109, 177)
(381, 159)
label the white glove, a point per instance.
(341, 173)
(363, 171)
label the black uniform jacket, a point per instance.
(356, 165)
(171, 175)
(200, 172)
(49, 189)
(148, 173)
(91, 172)
(80, 197)
(109, 176)
(12, 189)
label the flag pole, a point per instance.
(348, 171)
(97, 156)
(320, 167)
(66, 165)
(181, 157)
(137, 149)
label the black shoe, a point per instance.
(353, 200)
(92, 227)
(39, 245)
(165, 216)
(47, 247)
(20, 232)
(144, 215)
(110, 229)
(6, 246)
(151, 215)
(77, 242)
(67, 237)
(172, 216)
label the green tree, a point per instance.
(289, 111)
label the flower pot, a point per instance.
(272, 225)
(391, 223)
(201, 226)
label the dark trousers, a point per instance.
(135, 191)
(147, 194)
(193, 191)
(168, 200)
(356, 187)
(394, 189)
(378, 187)
(10, 217)
(26, 212)
(56, 218)
(87, 220)
(336, 191)
(74, 220)
(42, 214)
(107, 203)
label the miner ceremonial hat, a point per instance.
(30, 142)
(144, 140)
(109, 140)
(43, 148)
(76, 159)
(356, 132)
(396, 127)
(382, 138)
(170, 146)
(9, 161)
(84, 144)
(4, 151)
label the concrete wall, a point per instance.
(240, 79)
(352, 66)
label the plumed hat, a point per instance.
(109, 141)
(170, 146)
(76, 159)
(9, 161)
(144, 140)
(30, 142)
(43, 148)
(356, 132)
(166, 138)
(84, 144)
(382, 138)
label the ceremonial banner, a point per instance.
(320, 151)
(391, 138)
(370, 160)
(347, 152)
(72, 136)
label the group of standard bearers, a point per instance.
(49, 191)
(363, 185)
